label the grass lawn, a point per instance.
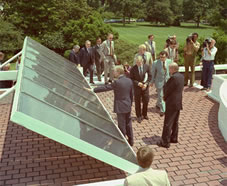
(137, 32)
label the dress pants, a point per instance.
(189, 61)
(109, 65)
(208, 67)
(170, 128)
(99, 68)
(89, 67)
(144, 96)
(160, 102)
(125, 125)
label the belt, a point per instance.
(208, 60)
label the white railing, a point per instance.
(10, 60)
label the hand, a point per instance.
(140, 84)
(144, 87)
(87, 89)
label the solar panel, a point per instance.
(50, 99)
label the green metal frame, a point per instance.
(65, 138)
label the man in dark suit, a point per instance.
(87, 60)
(173, 97)
(74, 55)
(123, 97)
(141, 77)
(99, 63)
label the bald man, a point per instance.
(173, 98)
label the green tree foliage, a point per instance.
(159, 11)
(56, 24)
(176, 8)
(195, 9)
(126, 8)
(11, 39)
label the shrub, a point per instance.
(125, 51)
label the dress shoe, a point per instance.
(173, 141)
(92, 82)
(162, 114)
(139, 119)
(145, 117)
(185, 84)
(110, 81)
(204, 88)
(130, 142)
(160, 144)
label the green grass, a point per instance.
(137, 32)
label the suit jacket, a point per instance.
(86, 56)
(123, 94)
(173, 91)
(148, 58)
(105, 48)
(148, 47)
(97, 54)
(159, 76)
(136, 78)
(172, 54)
(73, 57)
(148, 177)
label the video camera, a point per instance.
(207, 41)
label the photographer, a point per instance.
(208, 54)
(190, 50)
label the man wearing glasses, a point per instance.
(160, 75)
(107, 52)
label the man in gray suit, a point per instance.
(151, 46)
(160, 75)
(107, 52)
(123, 97)
(147, 58)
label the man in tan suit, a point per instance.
(107, 52)
(147, 176)
(151, 46)
(147, 58)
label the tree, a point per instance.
(11, 39)
(126, 8)
(56, 24)
(159, 11)
(195, 10)
(176, 8)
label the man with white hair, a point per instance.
(173, 98)
(141, 77)
(123, 97)
(108, 54)
(74, 55)
(147, 58)
(208, 54)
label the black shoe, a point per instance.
(185, 84)
(204, 88)
(139, 119)
(173, 141)
(110, 81)
(145, 117)
(162, 114)
(92, 82)
(131, 143)
(160, 144)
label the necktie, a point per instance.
(164, 67)
(111, 49)
(152, 48)
(144, 60)
(141, 71)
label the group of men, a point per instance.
(100, 56)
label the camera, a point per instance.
(189, 39)
(207, 41)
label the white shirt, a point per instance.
(207, 56)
